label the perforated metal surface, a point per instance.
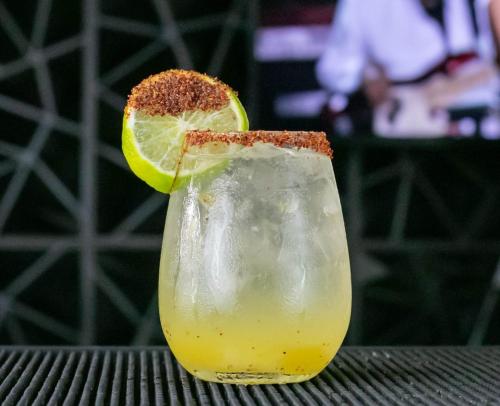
(151, 376)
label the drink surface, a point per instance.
(254, 276)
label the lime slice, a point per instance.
(204, 162)
(160, 111)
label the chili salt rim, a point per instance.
(314, 140)
(174, 91)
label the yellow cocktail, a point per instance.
(254, 277)
(256, 344)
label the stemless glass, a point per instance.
(254, 277)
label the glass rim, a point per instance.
(313, 140)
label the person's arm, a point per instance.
(494, 11)
(340, 68)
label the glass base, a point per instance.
(251, 378)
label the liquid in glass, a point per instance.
(254, 277)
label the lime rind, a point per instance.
(243, 124)
(160, 180)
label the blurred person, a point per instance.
(418, 63)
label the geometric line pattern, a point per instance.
(424, 238)
(79, 236)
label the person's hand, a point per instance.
(377, 90)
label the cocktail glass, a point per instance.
(254, 278)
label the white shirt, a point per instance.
(397, 35)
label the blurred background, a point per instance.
(408, 97)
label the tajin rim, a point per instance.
(175, 91)
(314, 140)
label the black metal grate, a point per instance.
(151, 376)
